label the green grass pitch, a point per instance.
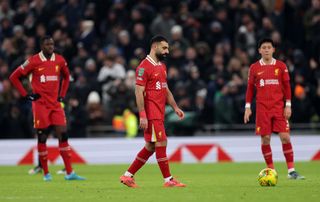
(205, 182)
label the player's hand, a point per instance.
(33, 96)
(143, 123)
(179, 112)
(287, 112)
(247, 115)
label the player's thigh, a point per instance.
(155, 132)
(40, 115)
(279, 123)
(263, 123)
(58, 117)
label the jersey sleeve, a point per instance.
(286, 82)
(66, 79)
(21, 71)
(141, 76)
(26, 67)
(285, 73)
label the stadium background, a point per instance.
(212, 46)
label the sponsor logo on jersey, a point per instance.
(158, 85)
(261, 82)
(41, 69)
(140, 78)
(276, 72)
(141, 72)
(44, 78)
(161, 85)
(259, 73)
(156, 74)
(52, 78)
(271, 82)
(268, 82)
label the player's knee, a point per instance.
(42, 135)
(63, 137)
(285, 138)
(265, 140)
(150, 147)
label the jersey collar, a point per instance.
(43, 58)
(149, 58)
(273, 62)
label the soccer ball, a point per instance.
(268, 177)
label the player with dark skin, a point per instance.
(45, 69)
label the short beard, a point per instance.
(161, 57)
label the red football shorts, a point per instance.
(155, 131)
(44, 116)
(269, 122)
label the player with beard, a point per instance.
(152, 93)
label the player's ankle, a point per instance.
(291, 170)
(128, 174)
(167, 179)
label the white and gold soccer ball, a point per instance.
(268, 177)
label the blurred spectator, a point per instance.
(110, 73)
(302, 105)
(78, 118)
(95, 110)
(163, 23)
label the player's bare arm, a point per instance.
(143, 123)
(173, 104)
(247, 114)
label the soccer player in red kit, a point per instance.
(45, 69)
(271, 80)
(152, 93)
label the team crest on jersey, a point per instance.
(258, 129)
(141, 72)
(57, 68)
(25, 64)
(276, 72)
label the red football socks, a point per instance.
(66, 156)
(141, 159)
(163, 162)
(288, 154)
(43, 157)
(267, 154)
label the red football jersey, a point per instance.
(45, 76)
(268, 81)
(153, 76)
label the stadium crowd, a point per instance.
(212, 44)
